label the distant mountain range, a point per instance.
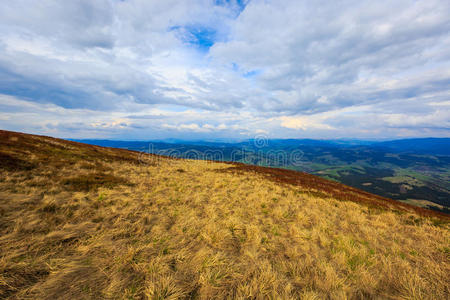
(438, 146)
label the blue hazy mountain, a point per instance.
(439, 146)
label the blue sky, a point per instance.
(138, 69)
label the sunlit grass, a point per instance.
(179, 229)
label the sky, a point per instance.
(205, 69)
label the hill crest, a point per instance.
(82, 221)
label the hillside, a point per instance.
(80, 221)
(417, 174)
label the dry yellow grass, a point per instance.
(179, 229)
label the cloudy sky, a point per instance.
(190, 69)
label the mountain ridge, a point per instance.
(403, 173)
(81, 221)
(287, 176)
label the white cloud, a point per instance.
(288, 69)
(193, 127)
(119, 123)
(304, 123)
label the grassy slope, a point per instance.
(79, 221)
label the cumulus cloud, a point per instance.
(194, 127)
(204, 68)
(304, 123)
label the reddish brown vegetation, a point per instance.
(333, 189)
(10, 163)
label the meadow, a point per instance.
(85, 222)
